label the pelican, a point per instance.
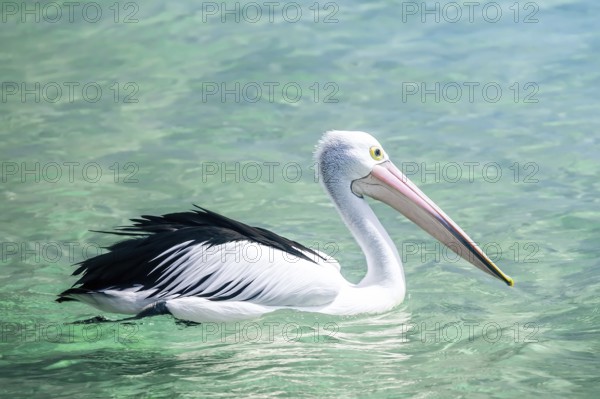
(200, 266)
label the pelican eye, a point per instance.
(376, 153)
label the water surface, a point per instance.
(517, 169)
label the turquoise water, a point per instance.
(157, 106)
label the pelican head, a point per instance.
(356, 161)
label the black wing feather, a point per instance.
(131, 262)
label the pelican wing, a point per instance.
(203, 254)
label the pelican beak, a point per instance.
(388, 184)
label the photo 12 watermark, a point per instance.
(425, 251)
(469, 92)
(66, 333)
(251, 172)
(267, 332)
(68, 172)
(52, 12)
(471, 171)
(250, 252)
(270, 12)
(68, 92)
(270, 92)
(490, 332)
(470, 12)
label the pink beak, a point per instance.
(388, 184)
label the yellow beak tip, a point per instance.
(510, 281)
